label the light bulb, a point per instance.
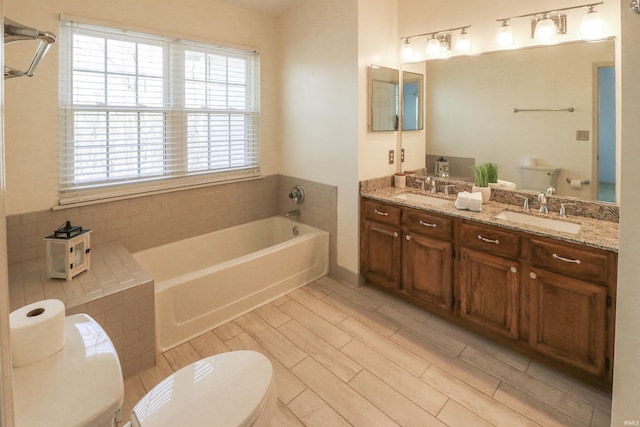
(463, 42)
(504, 36)
(592, 25)
(546, 31)
(433, 48)
(407, 50)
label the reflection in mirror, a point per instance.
(411, 101)
(384, 98)
(469, 104)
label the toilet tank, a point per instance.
(539, 178)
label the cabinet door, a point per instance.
(426, 266)
(381, 254)
(568, 319)
(489, 287)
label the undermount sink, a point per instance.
(423, 198)
(536, 221)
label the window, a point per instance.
(141, 113)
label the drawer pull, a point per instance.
(484, 239)
(395, 234)
(407, 237)
(381, 213)
(558, 257)
(533, 275)
(426, 224)
(513, 270)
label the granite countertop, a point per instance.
(593, 232)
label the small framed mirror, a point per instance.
(384, 92)
(412, 101)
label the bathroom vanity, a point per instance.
(546, 293)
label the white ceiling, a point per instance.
(271, 7)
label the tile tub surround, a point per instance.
(147, 221)
(116, 292)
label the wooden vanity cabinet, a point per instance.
(380, 247)
(427, 258)
(489, 282)
(550, 299)
(570, 304)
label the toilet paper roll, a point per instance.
(37, 331)
(576, 183)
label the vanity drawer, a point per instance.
(490, 239)
(570, 260)
(381, 212)
(431, 225)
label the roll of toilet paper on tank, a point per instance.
(576, 183)
(37, 331)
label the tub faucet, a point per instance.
(293, 213)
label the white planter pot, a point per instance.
(486, 192)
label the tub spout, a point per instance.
(293, 213)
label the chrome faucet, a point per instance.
(525, 206)
(295, 213)
(446, 189)
(423, 182)
(434, 189)
(563, 209)
(542, 198)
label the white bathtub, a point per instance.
(204, 281)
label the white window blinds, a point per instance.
(141, 113)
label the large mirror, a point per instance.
(412, 89)
(469, 114)
(384, 92)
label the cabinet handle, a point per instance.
(395, 234)
(381, 213)
(513, 270)
(484, 239)
(407, 237)
(426, 224)
(558, 257)
(533, 275)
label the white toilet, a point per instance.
(82, 386)
(539, 178)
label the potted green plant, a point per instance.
(483, 174)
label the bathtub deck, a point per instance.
(346, 356)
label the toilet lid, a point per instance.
(228, 389)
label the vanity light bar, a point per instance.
(546, 12)
(434, 33)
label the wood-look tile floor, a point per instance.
(356, 356)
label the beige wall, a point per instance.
(31, 116)
(626, 380)
(319, 104)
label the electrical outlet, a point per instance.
(582, 135)
(402, 155)
(392, 157)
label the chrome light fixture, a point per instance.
(439, 44)
(634, 6)
(504, 36)
(592, 25)
(546, 31)
(407, 50)
(548, 24)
